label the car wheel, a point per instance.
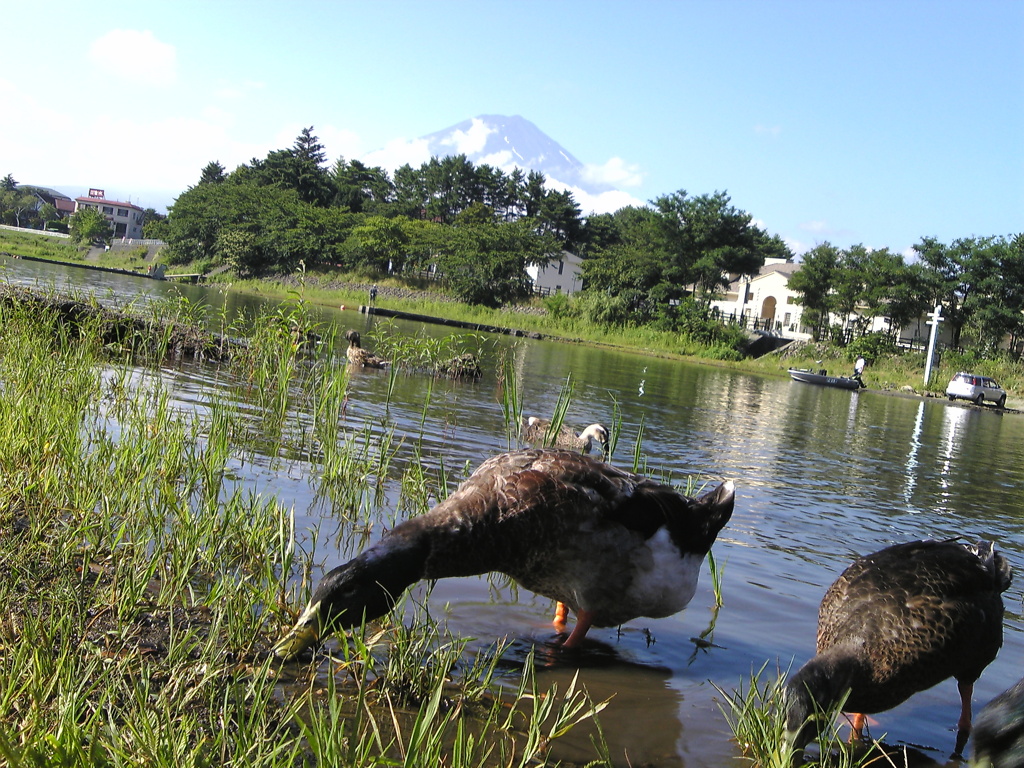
(1001, 402)
(951, 398)
(979, 400)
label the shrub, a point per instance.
(871, 346)
(557, 305)
(600, 308)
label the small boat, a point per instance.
(821, 377)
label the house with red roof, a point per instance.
(126, 219)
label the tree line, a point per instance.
(479, 227)
(475, 224)
(978, 281)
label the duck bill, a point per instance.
(305, 634)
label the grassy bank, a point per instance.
(903, 372)
(143, 585)
(39, 246)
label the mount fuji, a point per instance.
(513, 142)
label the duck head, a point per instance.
(811, 694)
(352, 337)
(595, 433)
(361, 590)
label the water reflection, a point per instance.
(915, 447)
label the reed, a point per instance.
(756, 714)
(143, 584)
(511, 396)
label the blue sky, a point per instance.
(849, 122)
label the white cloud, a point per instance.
(616, 173)
(339, 142)
(232, 91)
(817, 227)
(798, 247)
(605, 202)
(502, 160)
(768, 130)
(167, 153)
(472, 141)
(397, 153)
(135, 56)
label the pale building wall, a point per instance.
(560, 276)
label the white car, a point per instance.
(977, 389)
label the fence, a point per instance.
(28, 231)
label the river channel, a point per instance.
(822, 475)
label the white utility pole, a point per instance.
(936, 318)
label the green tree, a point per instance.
(410, 193)
(213, 173)
(559, 215)
(47, 213)
(892, 289)
(155, 225)
(382, 243)
(298, 168)
(88, 225)
(424, 240)
(8, 184)
(628, 262)
(16, 205)
(815, 281)
(359, 187)
(486, 264)
(996, 308)
(707, 239)
(955, 274)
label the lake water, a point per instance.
(822, 475)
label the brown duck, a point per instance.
(898, 622)
(360, 357)
(608, 544)
(535, 430)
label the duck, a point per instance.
(999, 730)
(608, 544)
(898, 622)
(360, 357)
(535, 430)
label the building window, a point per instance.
(122, 212)
(561, 265)
(108, 210)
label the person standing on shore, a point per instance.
(373, 294)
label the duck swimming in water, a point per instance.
(898, 622)
(535, 430)
(608, 544)
(360, 357)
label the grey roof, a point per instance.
(46, 190)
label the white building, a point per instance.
(766, 297)
(126, 219)
(560, 276)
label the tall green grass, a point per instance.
(143, 586)
(756, 714)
